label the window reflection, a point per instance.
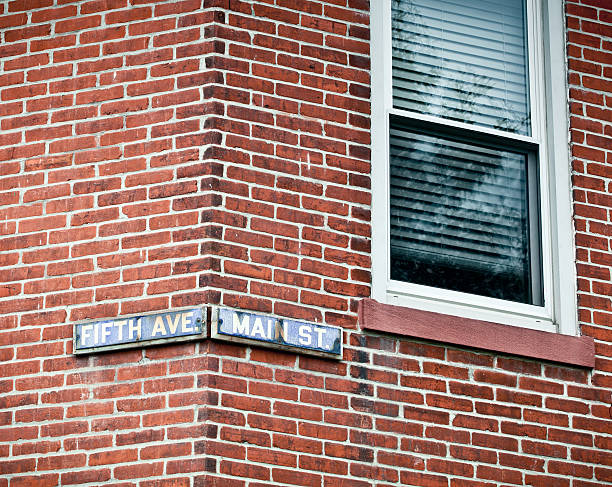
(462, 60)
(460, 216)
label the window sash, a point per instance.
(463, 62)
(478, 222)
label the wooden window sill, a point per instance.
(570, 350)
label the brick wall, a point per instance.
(155, 155)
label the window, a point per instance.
(470, 161)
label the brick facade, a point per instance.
(157, 155)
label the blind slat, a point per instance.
(457, 202)
(462, 60)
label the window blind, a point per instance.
(462, 60)
(459, 215)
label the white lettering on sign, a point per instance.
(319, 332)
(106, 331)
(120, 324)
(173, 323)
(304, 333)
(185, 320)
(134, 329)
(86, 332)
(239, 327)
(258, 329)
(158, 327)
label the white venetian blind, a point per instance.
(459, 215)
(463, 60)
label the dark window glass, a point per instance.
(464, 214)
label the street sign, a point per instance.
(270, 331)
(140, 330)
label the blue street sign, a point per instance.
(136, 331)
(238, 326)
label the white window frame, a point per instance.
(547, 69)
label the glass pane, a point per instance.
(462, 60)
(460, 217)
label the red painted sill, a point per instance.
(477, 334)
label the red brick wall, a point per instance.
(155, 155)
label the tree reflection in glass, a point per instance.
(462, 60)
(460, 216)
